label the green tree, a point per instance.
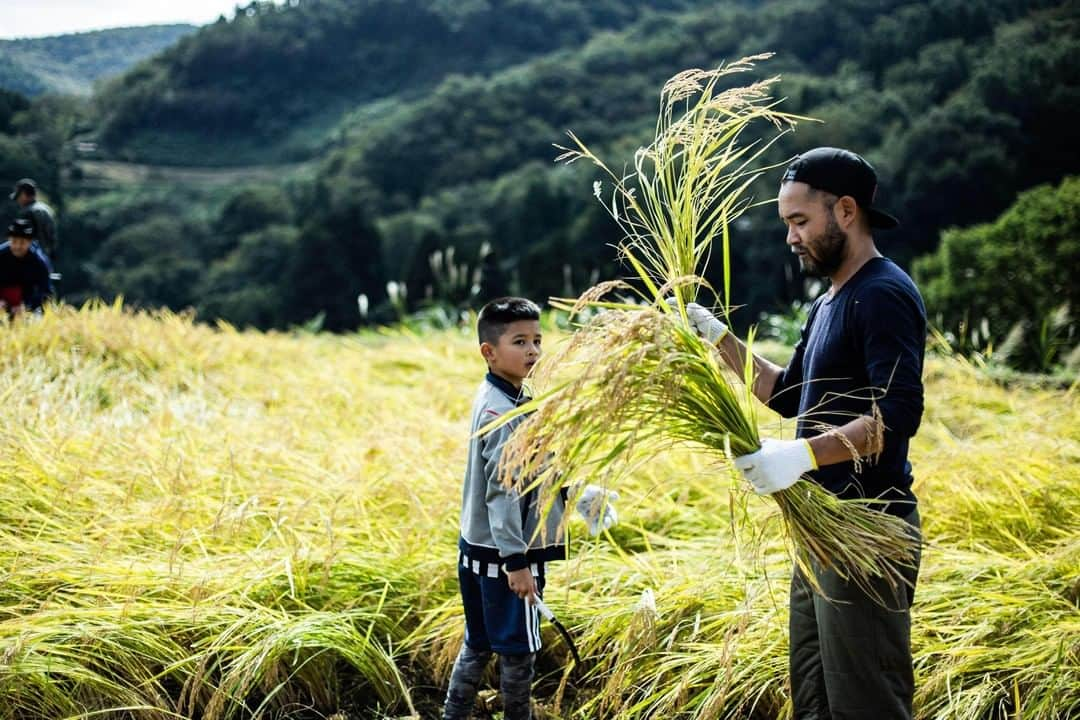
(1016, 272)
(10, 103)
(338, 259)
(247, 210)
(152, 263)
(245, 286)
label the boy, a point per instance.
(502, 556)
(24, 274)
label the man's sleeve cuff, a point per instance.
(810, 452)
(515, 562)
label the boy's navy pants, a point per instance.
(496, 620)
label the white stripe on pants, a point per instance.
(532, 625)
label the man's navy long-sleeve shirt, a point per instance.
(864, 344)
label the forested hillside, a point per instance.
(215, 525)
(263, 78)
(934, 94)
(71, 64)
(428, 130)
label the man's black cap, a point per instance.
(841, 172)
(21, 227)
(24, 184)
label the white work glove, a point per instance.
(705, 324)
(595, 507)
(777, 465)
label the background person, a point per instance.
(24, 274)
(25, 195)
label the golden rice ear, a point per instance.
(692, 180)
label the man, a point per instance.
(25, 195)
(855, 383)
(24, 275)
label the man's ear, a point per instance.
(846, 210)
(487, 350)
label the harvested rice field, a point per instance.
(204, 523)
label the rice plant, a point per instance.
(267, 522)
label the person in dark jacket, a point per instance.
(24, 274)
(855, 383)
(25, 196)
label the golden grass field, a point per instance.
(203, 523)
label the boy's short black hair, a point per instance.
(500, 312)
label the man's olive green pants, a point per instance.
(849, 657)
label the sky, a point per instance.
(36, 18)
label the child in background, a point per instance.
(24, 274)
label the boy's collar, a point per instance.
(519, 396)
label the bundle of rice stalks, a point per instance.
(642, 379)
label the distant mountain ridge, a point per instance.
(70, 64)
(266, 85)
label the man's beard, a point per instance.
(825, 254)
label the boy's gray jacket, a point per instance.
(497, 524)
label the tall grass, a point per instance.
(198, 522)
(184, 531)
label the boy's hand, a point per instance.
(522, 583)
(595, 507)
